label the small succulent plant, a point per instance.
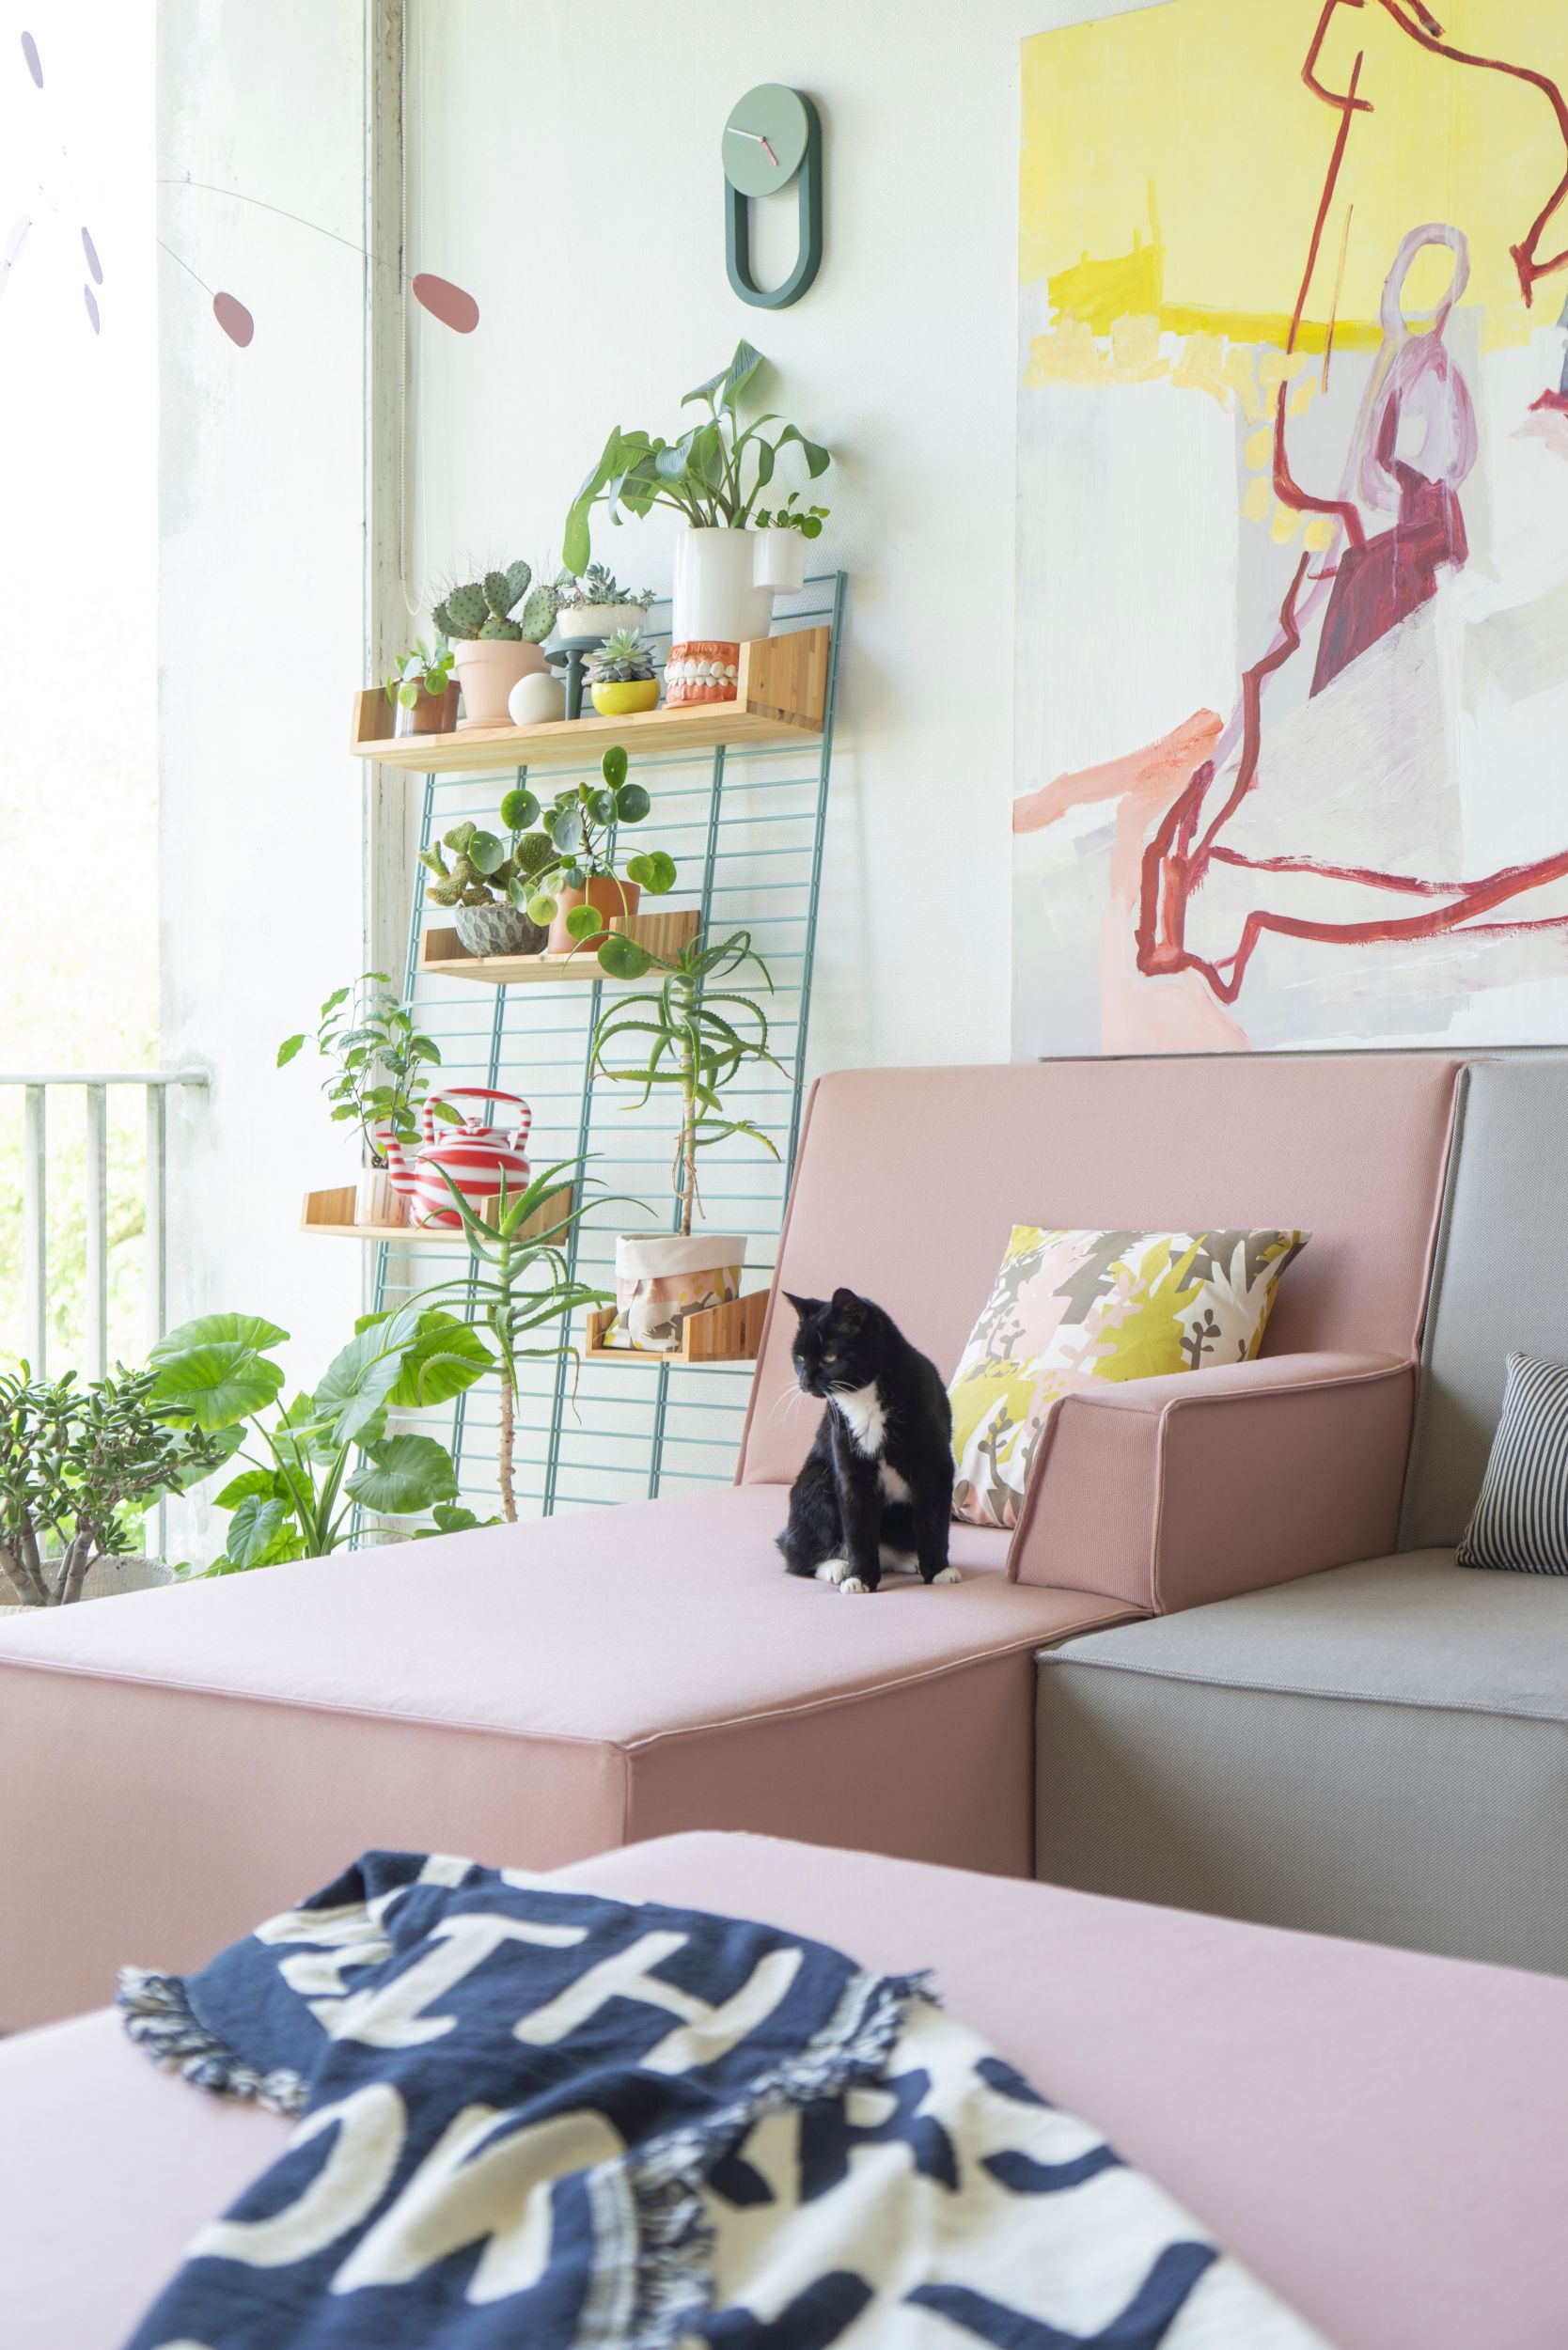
(597, 585)
(483, 870)
(622, 658)
(483, 608)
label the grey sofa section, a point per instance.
(1380, 1751)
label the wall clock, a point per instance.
(772, 136)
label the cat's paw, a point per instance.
(947, 1574)
(853, 1583)
(833, 1571)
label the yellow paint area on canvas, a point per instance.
(1203, 102)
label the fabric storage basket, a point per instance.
(660, 1279)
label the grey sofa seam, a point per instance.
(1293, 1689)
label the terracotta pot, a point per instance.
(606, 894)
(430, 714)
(488, 667)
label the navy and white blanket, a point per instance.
(541, 2118)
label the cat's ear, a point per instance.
(848, 1308)
(805, 1308)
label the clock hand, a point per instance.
(771, 156)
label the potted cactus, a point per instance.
(494, 651)
(620, 675)
(595, 606)
(488, 884)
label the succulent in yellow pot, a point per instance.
(620, 675)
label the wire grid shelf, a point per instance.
(745, 828)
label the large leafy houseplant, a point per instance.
(712, 474)
(378, 1062)
(307, 1464)
(690, 1037)
(519, 1289)
(78, 1467)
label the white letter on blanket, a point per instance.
(706, 2033)
(391, 2017)
(345, 2190)
(499, 2196)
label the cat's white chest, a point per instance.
(865, 1416)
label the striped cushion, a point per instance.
(1521, 1519)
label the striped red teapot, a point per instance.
(476, 1155)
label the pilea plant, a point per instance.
(78, 1467)
(485, 608)
(378, 1062)
(426, 668)
(597, 585)
(690, 1037)
(622, 658)
(713, 476)
(485, 870)
(792, 515)
(578, 834)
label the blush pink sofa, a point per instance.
(182, 1761)
(1377, 2136)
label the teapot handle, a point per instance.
(477, 1093)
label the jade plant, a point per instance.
(428, 668)
(379, 1062)
(310, 1462)
(597, 585)
(485, 870)
(713, 476)
(622, 658)
(78, 1469)
(484, 609)
(692, 1039)
(574, 845)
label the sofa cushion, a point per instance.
(1520, 1520)
(1380, 1751)
(910, 1181)
(178, 1762)
(1071, 1309)
(1500, 1284)
(1331, 2085)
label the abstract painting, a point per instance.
(1293, 481)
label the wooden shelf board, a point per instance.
(443, 955)
(737, 1328)
(330, 1214)
(779, 698)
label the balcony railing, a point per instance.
(37, 1089)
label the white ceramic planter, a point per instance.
(586, 624)
(717, 599)
(780, 561)
(488, 667)
(375, 1201)
(103, 1579)
(661, 1277)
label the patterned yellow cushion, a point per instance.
(1069, 1308)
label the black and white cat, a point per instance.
(876, 1489)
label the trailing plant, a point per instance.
(310, 1462)
(597, 585)
(484, 609)
(622, 658)
(577, 832)
(519, 1287)
(713, 476)
(424, 668)
(808, 520)
(378, 1061)
(690, 1037)
(78, 1467)
(485, 870)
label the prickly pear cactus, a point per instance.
(462, 612)
(538, 614)
(505, 631)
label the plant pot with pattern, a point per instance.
(487, 883)
(491, 649)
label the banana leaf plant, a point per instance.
(713, 476)
(309, 1463)
(690, 1037)
(519, 1290)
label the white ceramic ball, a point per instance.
(534, 700)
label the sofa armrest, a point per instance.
(1170, 1491)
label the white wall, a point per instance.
(260, 632)
(563, 162)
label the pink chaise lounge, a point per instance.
(1378, 2136)
(180, 1762)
